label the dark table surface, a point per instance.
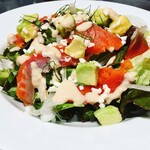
(6, 5)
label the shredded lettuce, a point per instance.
(142, 68)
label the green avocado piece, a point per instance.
(108, 115)
(31, 17)
(26, 30)
(76, 48)
(100, 18)
(3, 76)
(66, 25)
(120, 25)
(87, 73)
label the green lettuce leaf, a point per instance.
(142, 68)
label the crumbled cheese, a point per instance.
(45, 26)
(67, 59)
(111, 49)
(123, 39)
(11, 39)
(82, 60)
(84, 26)
(68, 91)
(54, 33)
(81, 87)
(98, 91)
(21, 59)
(63, 42)
(25, 30)
(88, 43)
(80, 16)
(104, 95)
(40, 38)
(102, 105)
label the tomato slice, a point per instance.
(103, 40)
(137, 46)
(25, 89)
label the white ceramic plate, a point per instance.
(19, 131)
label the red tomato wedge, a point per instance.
(137, 46)
(103, 40)
(25, 89)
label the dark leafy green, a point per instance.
(103, 58)
(120, 56)
(137, 100)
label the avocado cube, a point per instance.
(26, 30)
(100, 18)
(120, 25)
(87, 73)
(31, 17)
(3, 76)
(108, 115)
(76, 48)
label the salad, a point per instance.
(78, 65)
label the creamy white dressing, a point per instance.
(68, 91)
(38, 81)
(21, 59)
(128, 78)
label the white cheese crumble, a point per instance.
(45, 26)
(82, 60)
(104, 95)
(98, 91)
(88, 43)
(63, 42)
(80, 16)
(25, 30)
(81, 87)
